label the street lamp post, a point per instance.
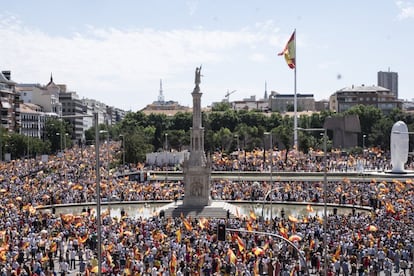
(66, 135)
(123, 148)
(363, 142)
(98, 186)
(28, 145)
(166, 153)
(271, 156)
(363, 150)
(98, 195)
(238, 157)
(107, 149)
(325, 207)
(61, 142)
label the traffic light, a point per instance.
(221, 232)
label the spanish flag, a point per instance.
(258, 251)
(178, 235)
(283, 231)
(290, 51)
(240, 243)
(311, 244)
(309, 208)
(188, 225)
(337, 253)
(173, 264)
(253, 215)
(232, 257)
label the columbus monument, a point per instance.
(197, 168)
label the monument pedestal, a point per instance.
(197, 185)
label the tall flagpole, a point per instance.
(295, 105)
(290, 55)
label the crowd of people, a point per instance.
(35, 241)
(372, 159)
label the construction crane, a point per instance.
(228, 95)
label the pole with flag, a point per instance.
(289, 52)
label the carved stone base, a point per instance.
(197, 186)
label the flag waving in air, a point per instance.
(290, 52)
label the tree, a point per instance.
(182, 121)
(368, 116)
(380, 133)
(223, 139)
(136, 147)
(55, 130)
(252, 118)
(274, 120)
(222, 106)
(17, 145)
(228, 119)
(178, 138)
(284, 134)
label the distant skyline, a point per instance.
(117, 51)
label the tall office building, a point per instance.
(389, 80)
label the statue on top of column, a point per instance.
(197, 76)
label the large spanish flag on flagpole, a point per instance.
(290, 51)
(290, 55)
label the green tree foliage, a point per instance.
(380, 133)
(224, 139)
(177, 139)
(136, 146)
(252, 118)
(224, 128)
(223, 106)
(368, 116)
(228, 119)
(182, 121)
(55, 132)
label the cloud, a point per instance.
(100, 61)
(192, 6)
(258, 57)
(406, 9)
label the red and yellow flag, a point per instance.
(337, 253)
(178, 234)
(249, 226)
(83, 239)
(290, 51)
(173, 264)
(311, 244)
(253, 215)
(188, 225)
(203, 223)
(283, 231)
(240, 243)
(258, 251)
(232, 256)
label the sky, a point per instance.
(118, 51)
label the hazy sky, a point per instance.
(117, 51)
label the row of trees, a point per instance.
(225, 130)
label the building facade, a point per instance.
(389, 80)
(250, 104)
(72, 107)
(285, 102)
(33, 120)
(10, 103)
(377, 96)
(47, 99)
